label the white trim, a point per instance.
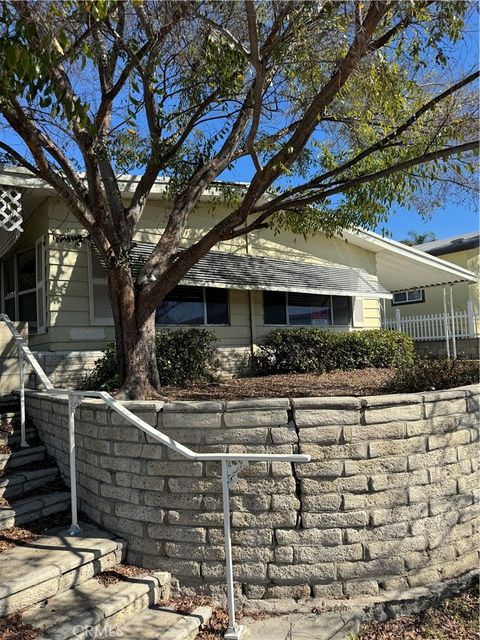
(386, 244)
(41, 283)
(95, 322)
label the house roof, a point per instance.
(451, 245)
(228, 270)
(399, 267)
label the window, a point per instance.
(20, 287)
(409, 297)
(304, 309)
(193, 306)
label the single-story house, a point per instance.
(241, 289)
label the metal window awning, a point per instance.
(227, 270)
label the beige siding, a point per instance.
(70, 326)
(371, 314)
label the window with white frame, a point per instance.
(408, 297)
(23, 287)
(304, 309)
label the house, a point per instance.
(424, 312)
(241, 289)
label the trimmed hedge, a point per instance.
(430, 374)
(183, 356)
(315, 350)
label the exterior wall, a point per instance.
(388, 501)
(68, 304)
(469, 347)
(35, 227)
(462, 292)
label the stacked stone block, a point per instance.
(388, 501)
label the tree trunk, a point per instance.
(134, 338)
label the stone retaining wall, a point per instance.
(388, 501)
(466, 347)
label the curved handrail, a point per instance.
(232, 463)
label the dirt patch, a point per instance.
(456, 619)
(296, 385)
(13, 628)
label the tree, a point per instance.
(415, 238)
(341, 108)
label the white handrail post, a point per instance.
(234, 631)
(452, 320)
(21, 364)
(73, 402)
(445, 322)
(471, 330)
(398, 321)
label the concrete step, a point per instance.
(21, 457)
(33, 508)
(9, 417)
(160, 623)
(49, 565)
(12, 438)
(94, 610)
(20, 482)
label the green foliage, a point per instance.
(315, 350)
(183, 356)
(429, 374)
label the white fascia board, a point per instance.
(379, 244)
(24, 179)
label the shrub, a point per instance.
(429, 374)
(315, 350)
(183, 356)
(186, 355)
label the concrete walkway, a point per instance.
(302, 626)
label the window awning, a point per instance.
(231, 271)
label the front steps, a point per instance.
(53, 580)
(54, 583)
(30, 486)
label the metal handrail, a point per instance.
(232, 463)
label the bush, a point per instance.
(429, 374)
(183, 356)
(317, 351)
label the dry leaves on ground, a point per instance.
(336, 383)
(121, 572)
(30, 532)
(13, 628)
(456, 619)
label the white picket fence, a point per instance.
(437, 326)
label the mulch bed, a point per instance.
(456, 619)
(336, 383)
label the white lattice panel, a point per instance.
(10, 209)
